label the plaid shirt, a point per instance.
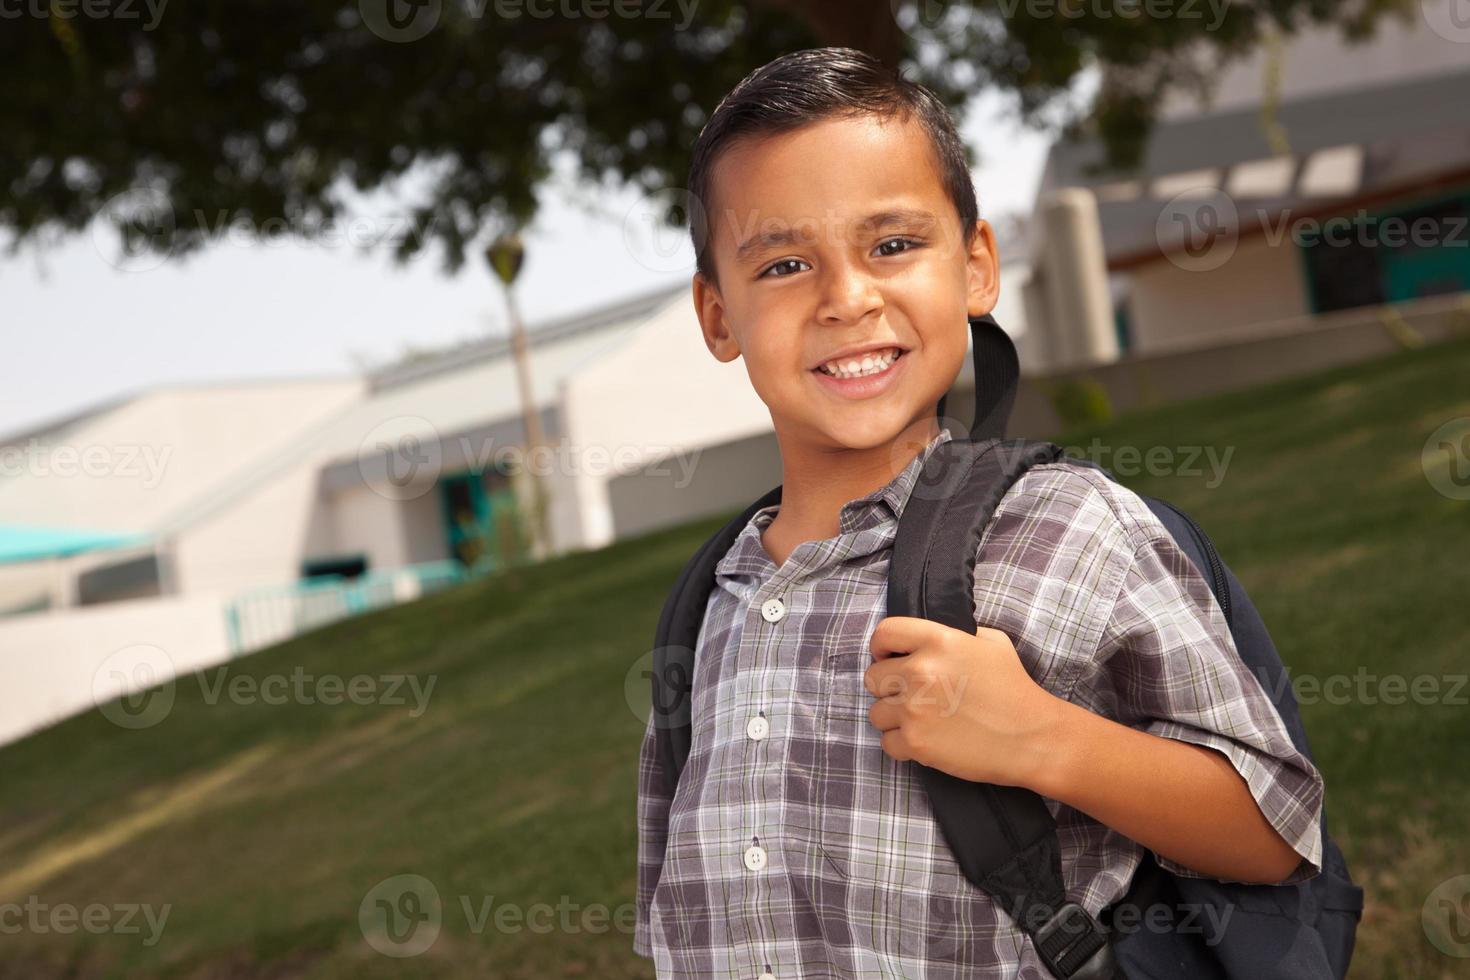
(794, 847)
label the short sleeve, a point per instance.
(1172, 669)
(653, 830)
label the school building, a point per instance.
(205, 521)
(1343, 185)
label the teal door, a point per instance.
(1432, 255)
(1409, 273)
(481, 524)
(1398, 254)
(467, 517)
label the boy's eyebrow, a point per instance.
(899, 216)
(777, 237)
(771, 238)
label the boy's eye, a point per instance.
(785, 267)
(896, 245)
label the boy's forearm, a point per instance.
(1185, 802)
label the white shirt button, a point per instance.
(772, 610)
(767, 976)
(755, 857)
(757, 728)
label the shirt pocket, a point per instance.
(844, 698)
(884, 878)
(872, 820)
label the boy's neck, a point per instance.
(815, 483)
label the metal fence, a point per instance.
(265, 616)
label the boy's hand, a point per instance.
(965, 705)
(958, 702)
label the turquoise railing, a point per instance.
(262, 617)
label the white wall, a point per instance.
(261, 539)
(1318, 61)
(660, 392)
(1169, 306)
(391, 533)
(160, 451)
(27, 582)
(53, 662)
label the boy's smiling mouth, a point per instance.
(862, 373)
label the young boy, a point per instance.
(842, 259)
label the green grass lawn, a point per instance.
(262, 828)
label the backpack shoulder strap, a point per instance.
(997, 376)
(1002, 837)
(678, 636)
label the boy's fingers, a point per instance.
(896, 745)
(884, 678)
(900, 634)
(883, 716)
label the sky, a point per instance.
(83, 324)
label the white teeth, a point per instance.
(873, 362)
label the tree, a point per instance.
(209, 112)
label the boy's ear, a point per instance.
(710, 309)
(982, 263)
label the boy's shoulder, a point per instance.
(1072, 498)
(1073, 563)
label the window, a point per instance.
(347, 566)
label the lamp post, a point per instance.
(506, 255)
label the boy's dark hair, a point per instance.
(807, 86)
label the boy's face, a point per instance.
(839, 237)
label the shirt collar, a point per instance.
(864, 512)
(748, 556)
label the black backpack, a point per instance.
(1003, 837)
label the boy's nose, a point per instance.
(848, 295)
